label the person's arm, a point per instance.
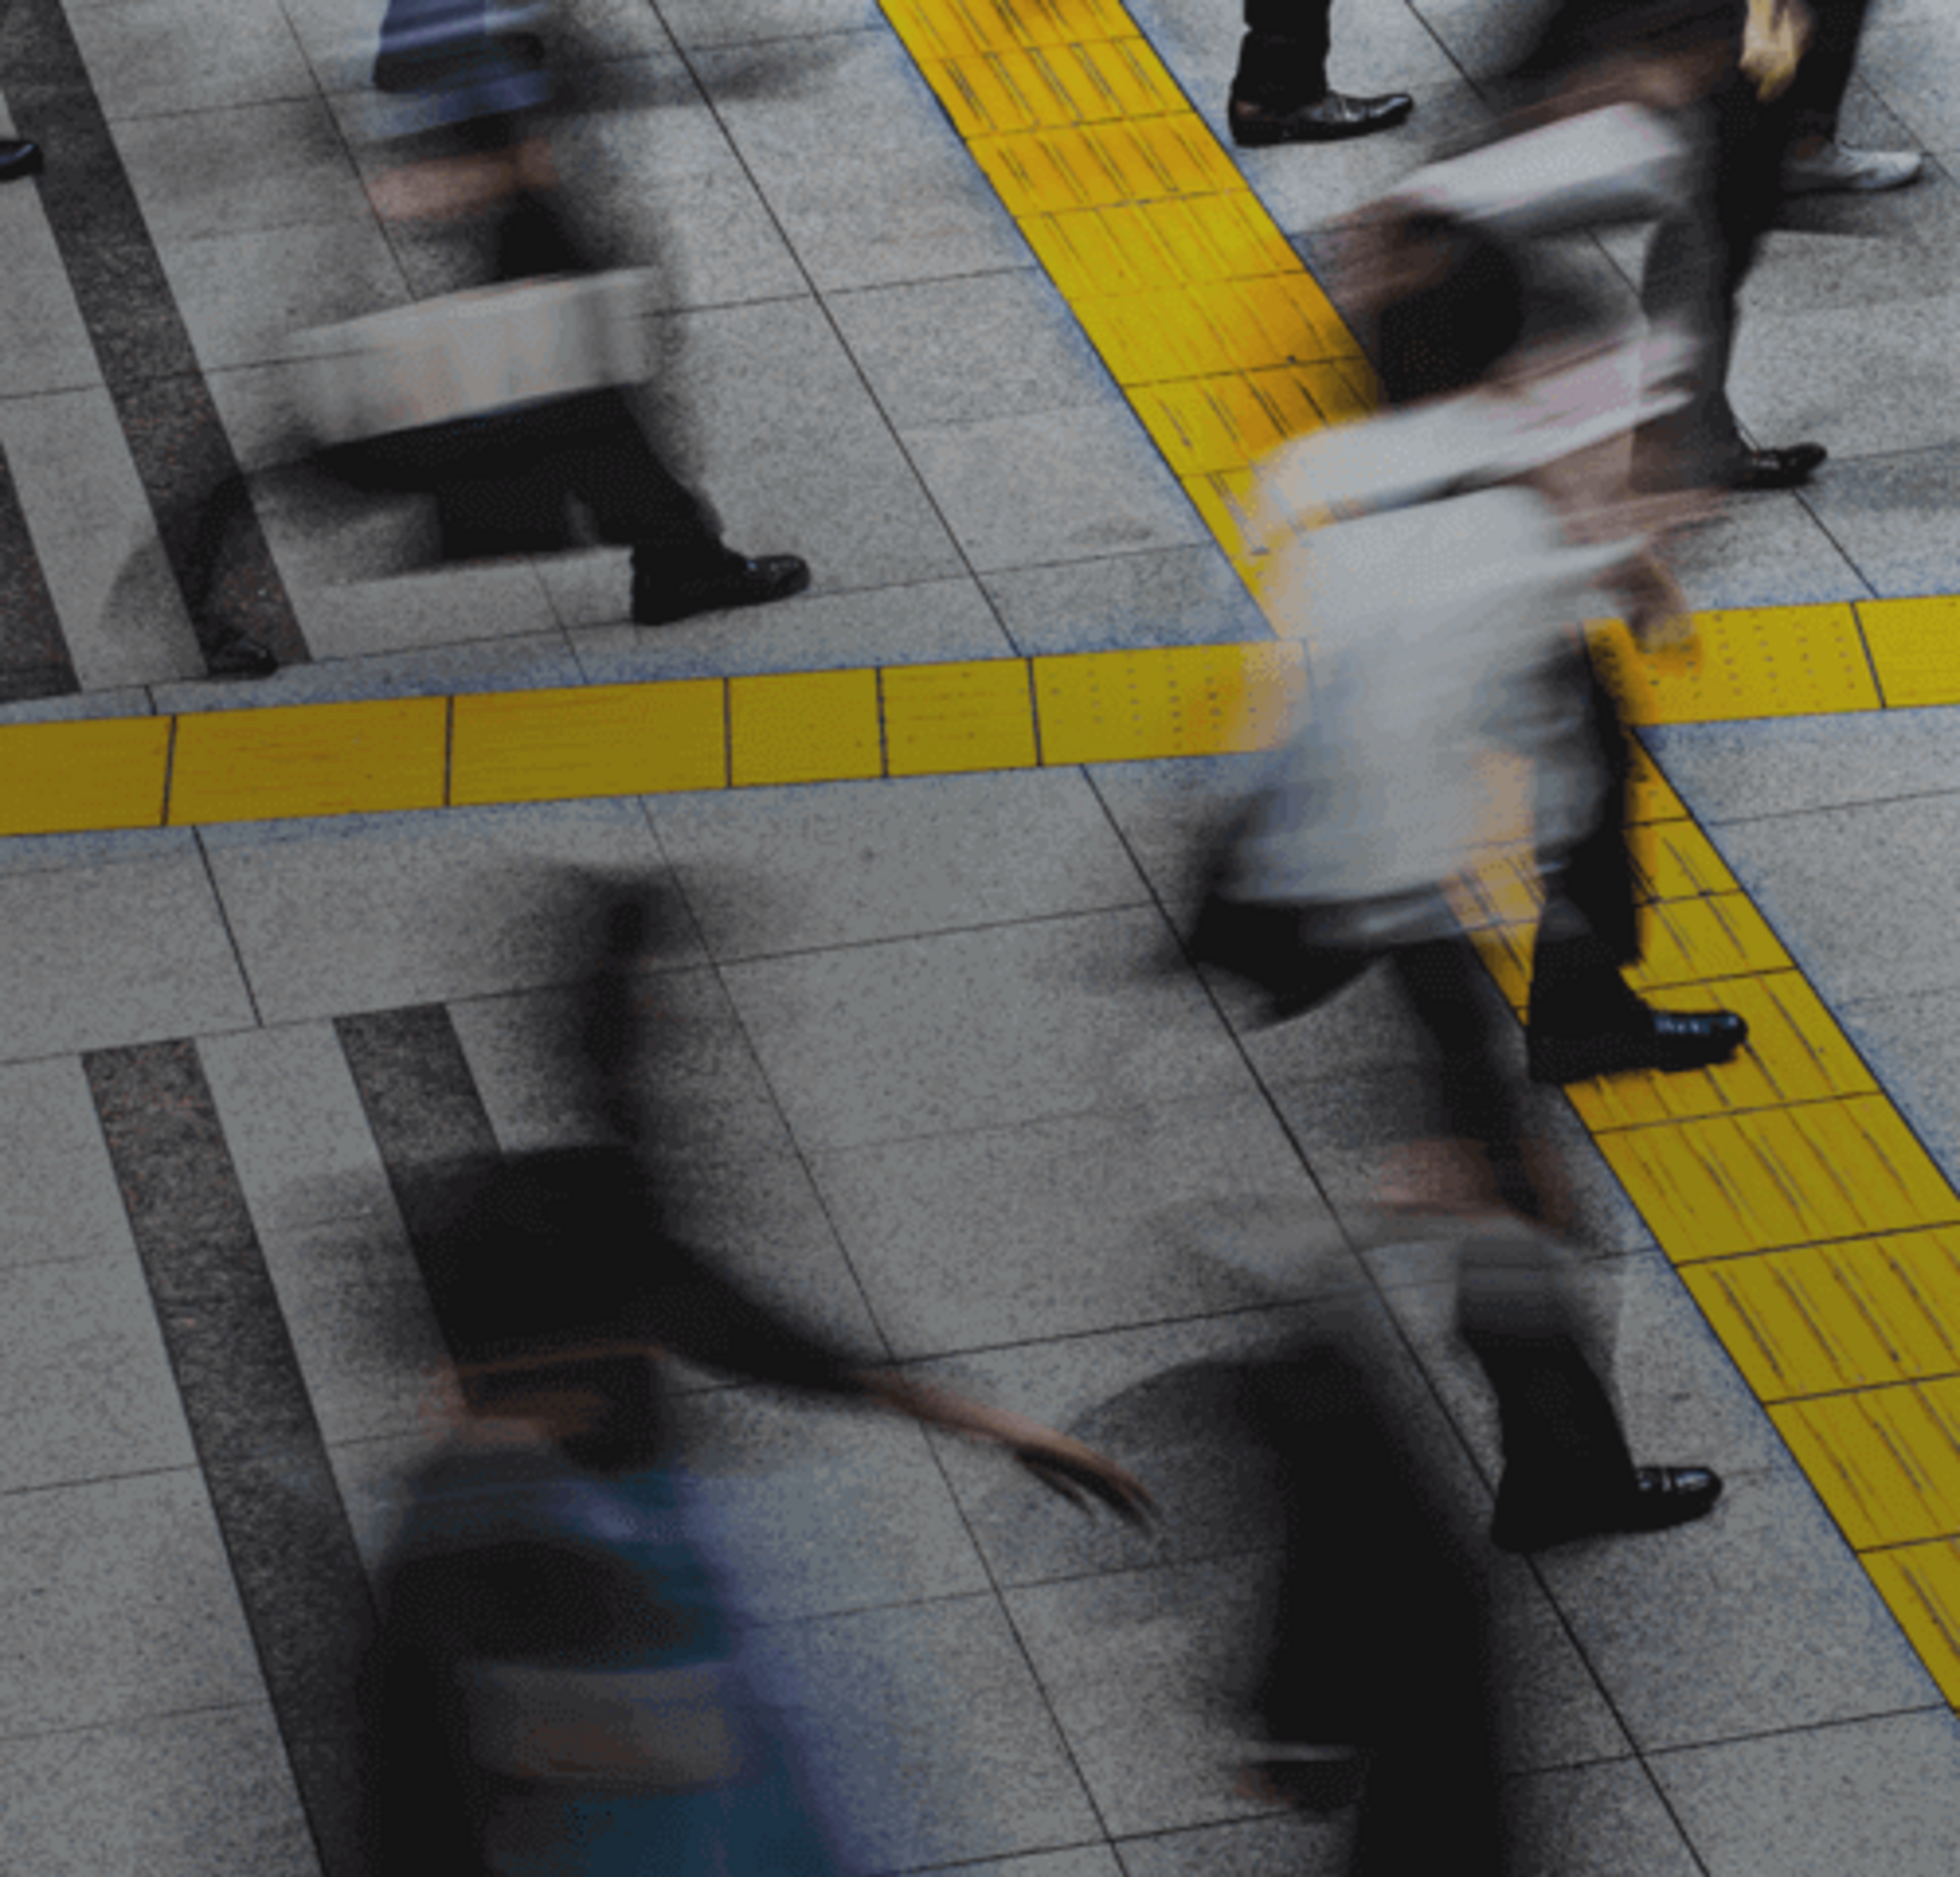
(707, 1318)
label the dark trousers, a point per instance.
(501, 485)
(1823, 74)
(1588, 932)
(1283, 57)
(1378, 1636)
(1695, 268)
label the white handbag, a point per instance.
(472, 354)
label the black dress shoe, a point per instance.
(1669, 1041)
(769, 576)
(1661, 1496)
(1786, 468)
(1332, 118)
(241, 658)
(20, 158)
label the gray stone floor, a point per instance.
(933, 1089)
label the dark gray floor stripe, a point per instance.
(178, 444)
(421, 1103)
(292, 1551)
(33, 655)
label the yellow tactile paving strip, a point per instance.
(1815, 1233)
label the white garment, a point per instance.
(1437, 613)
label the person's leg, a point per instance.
(1691, 287)
(1376, 1637)
(680, 564)
(1568, 1473)
(1280, 92)
(1583, 1019)
(1817, 161)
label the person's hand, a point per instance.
(1775, 36)
(1079, 1473)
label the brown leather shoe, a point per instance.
(1332, 118)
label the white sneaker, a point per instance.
(1831, 167)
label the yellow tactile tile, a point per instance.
(65, 778)
(1794, 1054)
(312, 758)
(614, 739)
(1691, 941)
(1100, 165)
(1788, 1176)
(997, 93)
(1921, 1583)
(1886, 1461)
(952, 29)
(1915, 648)
(1206, 331)
(943, 719)
(1145, 247)
(1204, 700)
(803, 726)
(1793, 661)
(1221, 423)
(1672, 860)
(1650, 797)
(1827, 1319)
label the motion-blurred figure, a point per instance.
(505, 402)
(554, 1688)
(1460, 536)
(1722, 71)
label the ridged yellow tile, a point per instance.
(1202, 700)
(1672, 860)
(1792, 661)
(1886, 1461)
(991, 93)
(310, 759)
(1203, 332)
(1789, 1176)
(1694, 941)
(1231, 505)
(1921, 1585)
(1795, 1053)
(1915, 648)
(1650, 797)
(803, 726)
(61, 779)
(944, 719)
(1505, 890)
(1143, 247)
(953, 28)
(1506, 954)
(612, 739)
(1208, 424)
(1094, 166)
(1826, 1318)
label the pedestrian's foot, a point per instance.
(19, 157)
(1786, 468)
(1666, 1040)
(1309, 1778)
(1826, 166)
(241, 658)
(769, 576)
(1661, 1496)
(1332, 118)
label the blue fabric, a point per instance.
(472, 1504)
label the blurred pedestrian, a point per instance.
(554, 1688)
(1818, 161)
